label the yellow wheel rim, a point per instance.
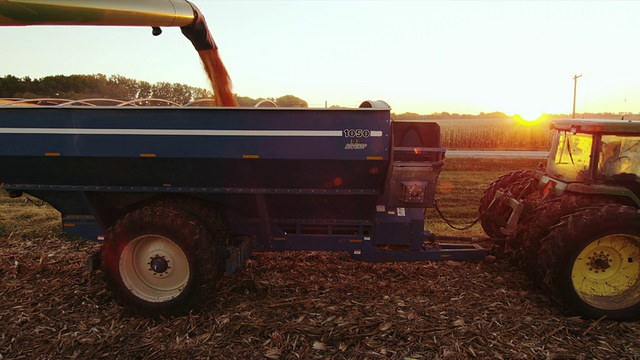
(605, 273)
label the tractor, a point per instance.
(574, 224)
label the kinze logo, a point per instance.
(355, 135)
(355, 144)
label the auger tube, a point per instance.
(154, 13)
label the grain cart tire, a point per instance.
(524, 245)
(207, 215)
(494, 216)
(159, 260)
(590, 262)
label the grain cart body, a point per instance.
(301, 179)
(179, 194)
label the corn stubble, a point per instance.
(291, 305)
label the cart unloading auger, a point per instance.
(153, 13)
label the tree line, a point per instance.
(501, 115)
(447, 115)
(76, 87)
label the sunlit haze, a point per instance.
(516, 57)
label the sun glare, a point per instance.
(529, 118)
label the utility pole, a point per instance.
(575, 85)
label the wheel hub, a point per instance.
(159, 265)
(599, 262)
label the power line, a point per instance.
(575, 85)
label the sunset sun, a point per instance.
(529, 116)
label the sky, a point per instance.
(516, 57)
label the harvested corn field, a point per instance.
(294, 305)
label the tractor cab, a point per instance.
(593, 152)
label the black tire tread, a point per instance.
(525, 243)
(563, 243)
(491, 219)
(183, 229)
(206, 214)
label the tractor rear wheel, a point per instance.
(494, 215)
(525, 243)
(590, 262)
(159, 260)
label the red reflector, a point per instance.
(548, 187)
(417, 151)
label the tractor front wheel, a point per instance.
(494, 214)
(590, 262)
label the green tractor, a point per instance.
(574, 225)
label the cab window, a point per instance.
(572, 156)
(619, 155)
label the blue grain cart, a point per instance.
(180, 196)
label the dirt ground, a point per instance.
(296, 305)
